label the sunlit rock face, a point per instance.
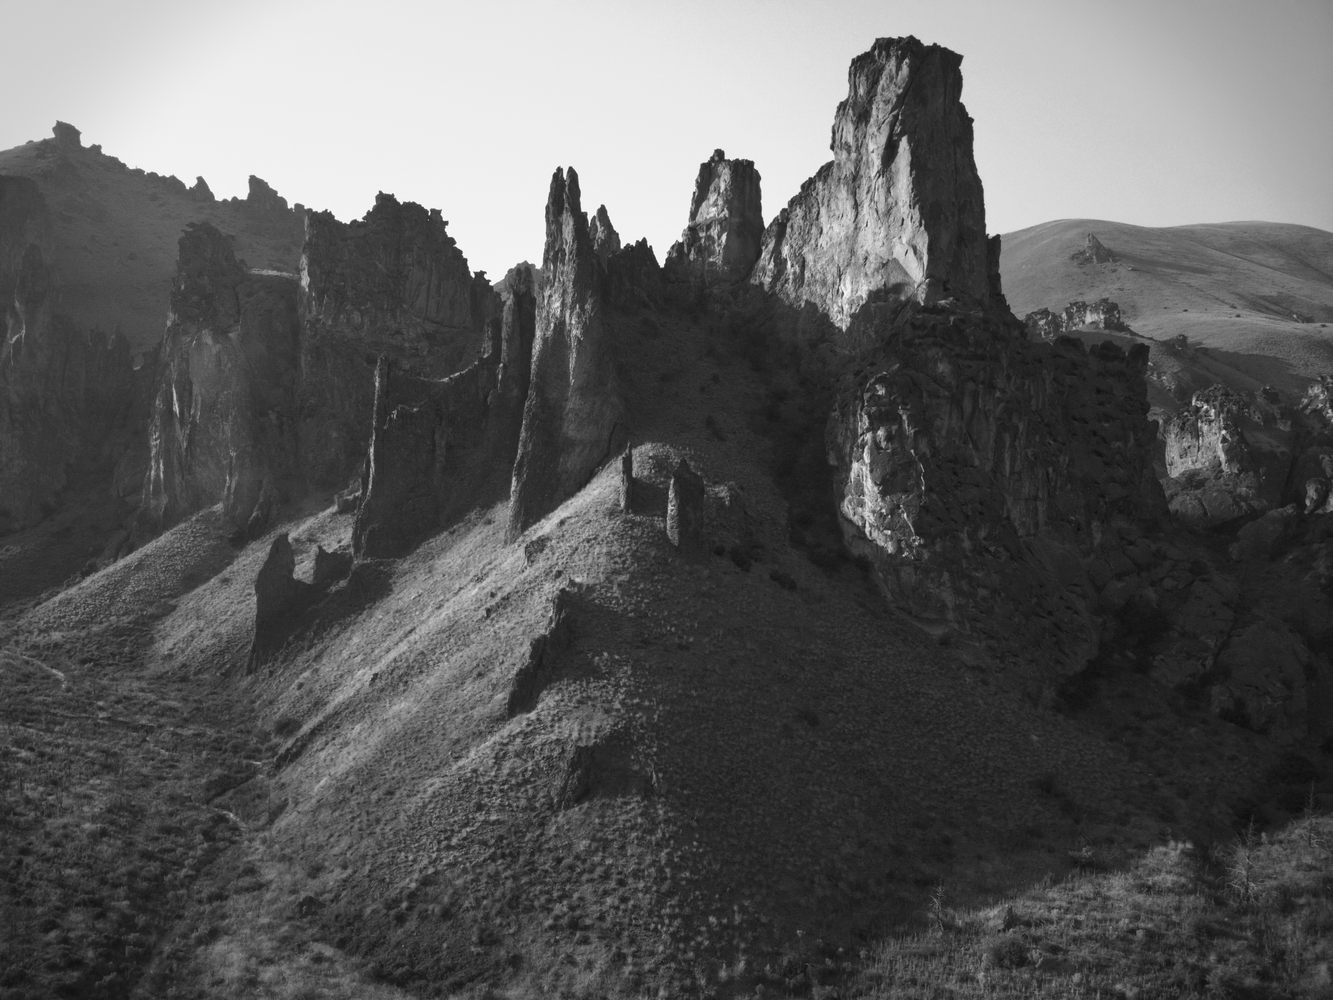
(392, 283)
(574, 399)
(722, 240)
(223, 425)
(900, 207)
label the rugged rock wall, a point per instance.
(223, 426)
(393, 283)
(972, 462)
(899, 209)
(1231, 453)
(440, 447)
(574, 405)
(722, 240)
(63, 392)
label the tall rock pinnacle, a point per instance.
(900, 206)
(574, 403)
(722, 240)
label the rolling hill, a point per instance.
(1257, 296)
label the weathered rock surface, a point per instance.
(722, 240)
(393, 283)
(223, 426)
(685, 511)
(1078, 315)
(1228, 454)
(975, 466)
(605, 239)
(279, 600)
(574, 409)
(1093, 252)
(899, 210)
(441, 446)
(544, 653)
(63, 392)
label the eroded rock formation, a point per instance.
(899, 210)
(605, 239)
(722, 240)
(1093, 252)
(1229, 453)
(574, 406)
(441, 446)
(1078, 315)
(224, 425)
(392, 283)
(685, 511)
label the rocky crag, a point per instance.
(574, 415)
(224, 423)
(266, 384)
(897, 209)
(1103, 314)
(722, 239)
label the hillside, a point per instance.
(779, 620)
(113, 229)
(1258, 296)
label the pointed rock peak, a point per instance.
(726, 226)
(605, 239)
(201, 191)
(264, 199)
(900, 209)
(67, 135)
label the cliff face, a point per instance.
(63, 393)
(393, 283)
(899, 209)
(223, 426)
(439, 447)
(722, 240)
(574, 403)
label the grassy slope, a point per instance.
(114, 234)
(1232, 287)
(778, 768)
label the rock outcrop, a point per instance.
(899, 211)
(1078, 315)
(572, 420)
(394, 283)
(685, 511)
(63, 391)
(722, 239)
(605, 239)
(1093, 252)
(224, 422)
(1227, 454)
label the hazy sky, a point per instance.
(1156, 113)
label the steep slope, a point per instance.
(113, 230)
(1257, 296)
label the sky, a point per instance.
(1155, 113)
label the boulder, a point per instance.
(721, 242)
(1093, 252)
(67, 135)
(899, 210)
(279, 600)
(574, 406)
(543, 654)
